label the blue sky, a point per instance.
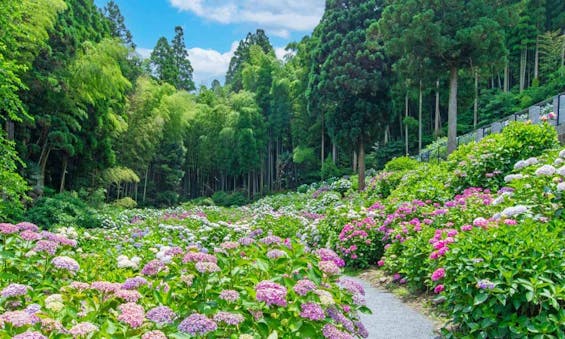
(214, 27)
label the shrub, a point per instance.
(13, 187)
(329, 169)
(127, 203)
(64, 209)
(402, 164)
(222, 198)
(428, 182)
(507, 281)
(484, 164)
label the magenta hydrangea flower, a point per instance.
(228, 318)
(131, 314)
(352, 286)
(338, 317)
(6, 228)
(207, 267)
(438, 274)
(131, 296)
(439, 288)
(312, 311)
(154, 335)
(331, 332)
(14, 290)
(199, 257)
(105, 286)
(161, 315)
(30, 235)
(197, 324)
(271, 293)
(304, 286)
(83, 329)
(66, 263)
(30, 335)
(326, 254)
(27, 226)
(229, 245)
(46, 246)
(134, 283)
(153, 267)
(229, 295)
(329, 267)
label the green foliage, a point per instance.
(486, 163)
(226, 199)
(522, 267)
(125, 203)
(64, 209)
(402, 164)
(13, 187)
(329, 169)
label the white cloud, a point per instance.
(280, 17)
(210, 64)
(145, 53)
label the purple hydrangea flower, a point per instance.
(14, 290)
(66, 263)
(161, 315)
(304, 286)
(134, 283)
(229, 295)
(153, 267)
(207, 267)
(30, 335)
(197, 324)
(271, 293)
(83, 329)
(331, 332)
(228, 318)
(312, 311)
(274, 254)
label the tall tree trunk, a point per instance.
(536, 60)
(145, 184)
(323, 142)
(506, 77)
(354, 161)
(387, 134)
(334, 152)
(361, 164)
(476, 104)
(405, 123)
(523, 61)
(10, 129)
(437, 115)
(45, 151)
(420, 125)
(452, 112)
(64, 173)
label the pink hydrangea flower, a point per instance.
(438, 274)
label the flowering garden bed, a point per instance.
(482, 233)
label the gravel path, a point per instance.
(392, 319)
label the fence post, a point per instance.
(561, 108)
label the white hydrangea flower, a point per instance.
(558, 162)
(561, 187)
(562, 154)
(531, 161)
(545, 170)
(561, 171)
(512, 177)
(510, 212)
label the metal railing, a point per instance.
(536, 114)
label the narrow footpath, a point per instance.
(391, 318)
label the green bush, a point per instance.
(64, 209)
(13, 187)
(126, 203)
(428, 182)
(484, 164)
(507, 282)
(402, 164)
(225, 199)
(329, 169)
